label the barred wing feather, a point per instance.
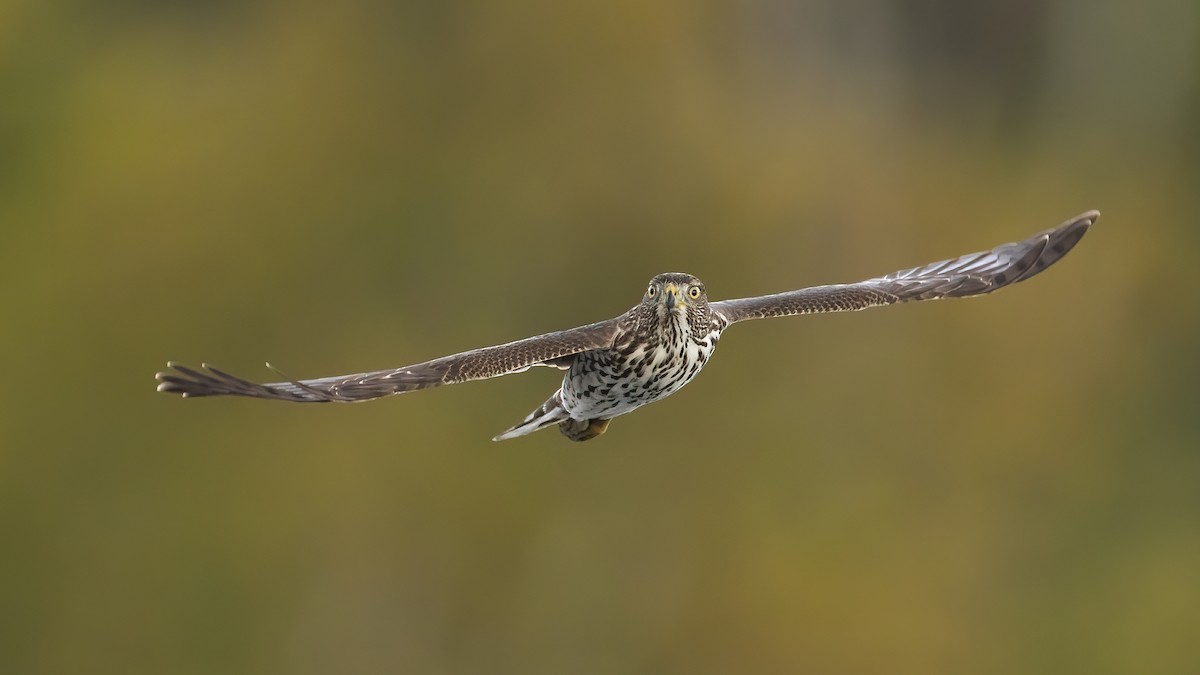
(971, 274)
(555, 349)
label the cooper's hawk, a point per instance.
(650, 352)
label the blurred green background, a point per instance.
(1006, 485)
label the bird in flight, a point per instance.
(650, 352)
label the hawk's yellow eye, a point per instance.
(694, 292)
(650, 291)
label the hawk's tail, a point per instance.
(547, 414)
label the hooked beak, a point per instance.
(671, 296)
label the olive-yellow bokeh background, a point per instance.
(1002, 485)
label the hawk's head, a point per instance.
(674, 296)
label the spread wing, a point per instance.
(971, 274)
(551, 349)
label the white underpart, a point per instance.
(599, 405)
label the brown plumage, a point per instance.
(477, 364)
(654, 349)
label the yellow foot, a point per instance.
(583, 430)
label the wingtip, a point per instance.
(164, 385)
(167, 387)
(1089, 216)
